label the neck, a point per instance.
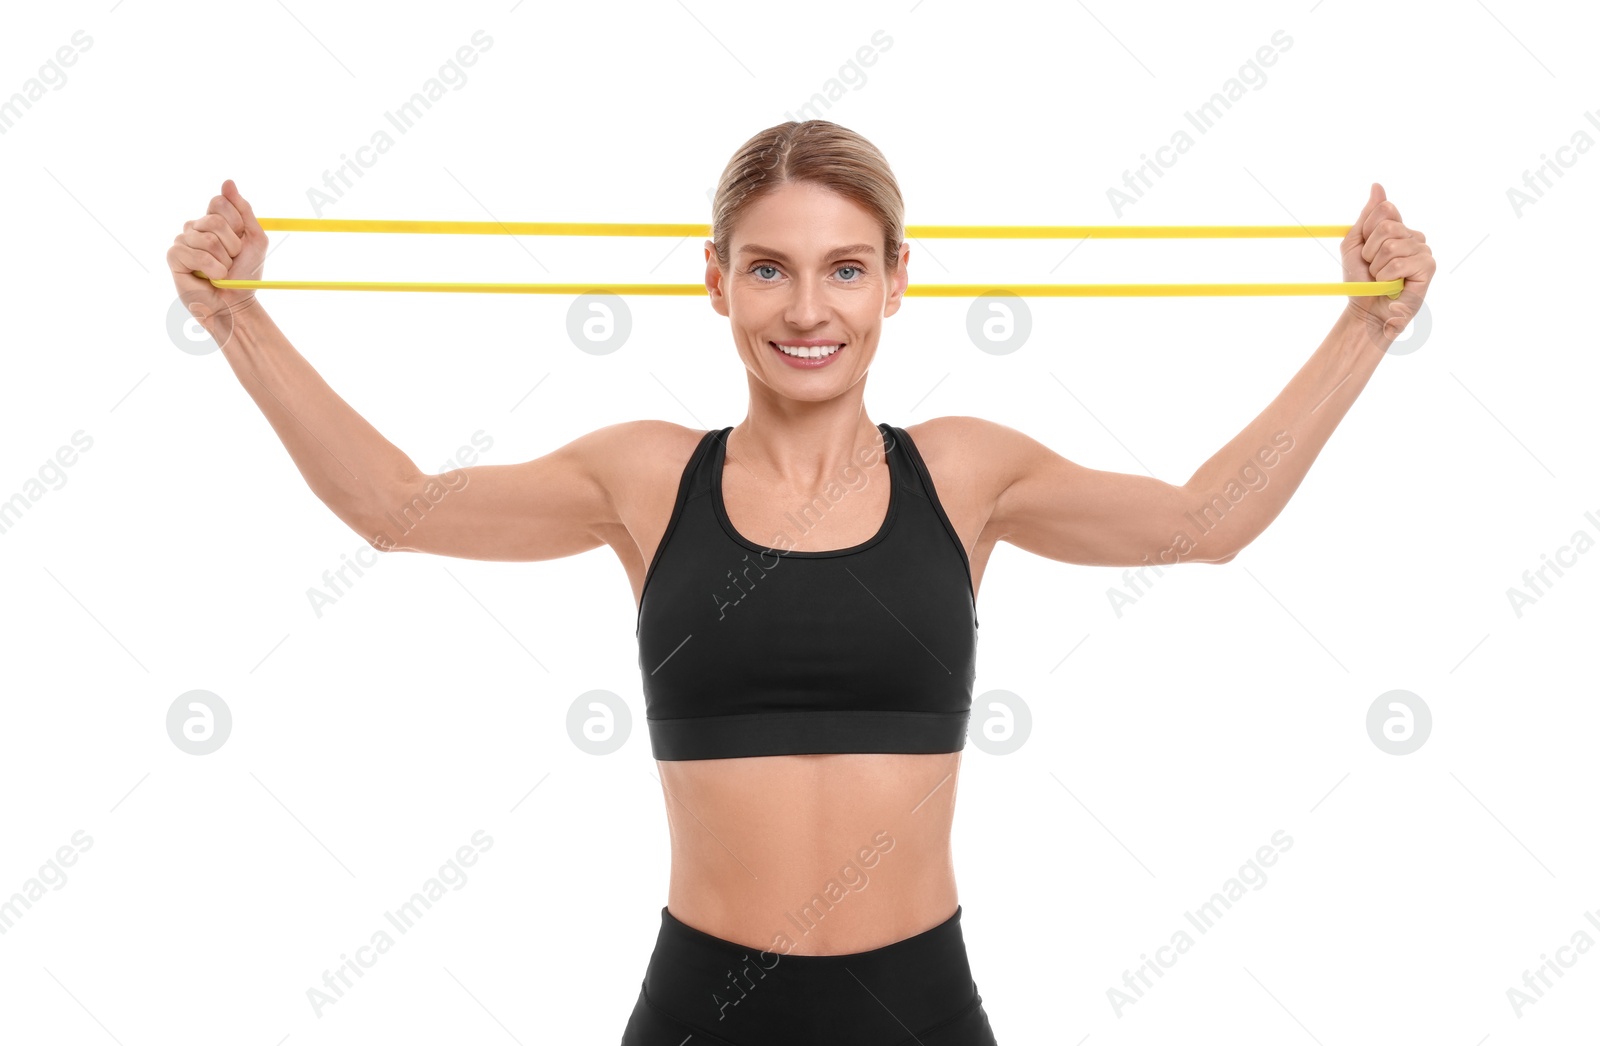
(787, 443)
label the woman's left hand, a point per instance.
(1379, 247)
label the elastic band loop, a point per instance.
(1391, 288)
(932, 232)
(914, 290)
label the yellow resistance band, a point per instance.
(1391, 288)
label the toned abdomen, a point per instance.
(812, 854)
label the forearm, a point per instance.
(1243, 487)
(348, 464)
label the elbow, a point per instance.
(1225, 554)
(374, 533)
(379, 522)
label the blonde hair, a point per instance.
(816, 151)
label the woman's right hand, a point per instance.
(228, 243)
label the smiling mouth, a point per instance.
(807, 352)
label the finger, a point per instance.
(1384, 210)
(243, 205)
(190, 260)
(1416, 283)
(1416, 271)
(216, 223)
(222, 205)
(1396, 251)
(201, 240)
(1386, 230)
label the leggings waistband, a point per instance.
(735, 990)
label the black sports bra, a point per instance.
(749, 649)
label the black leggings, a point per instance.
(700, 990)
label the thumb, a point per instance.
(231, 191)
(1355, 236)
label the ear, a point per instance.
(715, 287)
(898, 281)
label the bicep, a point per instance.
(552, 506)
(1056, 508)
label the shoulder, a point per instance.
(650, 436)
(986, 457)
(641, 444)
(632, 458)
(964, 444)
(974, 461)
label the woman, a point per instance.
(807, 656)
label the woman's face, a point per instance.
(806, 265)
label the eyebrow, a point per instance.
(837, 252)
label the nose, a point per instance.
(807, 305)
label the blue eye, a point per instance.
(852, 268)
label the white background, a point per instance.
(1229, 703)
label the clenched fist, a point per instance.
(226, 244)
(1380, 247)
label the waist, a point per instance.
(725, 986)
(837, 852)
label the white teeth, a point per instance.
(811, 353)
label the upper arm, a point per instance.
(1056, 508)
(556, 505)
